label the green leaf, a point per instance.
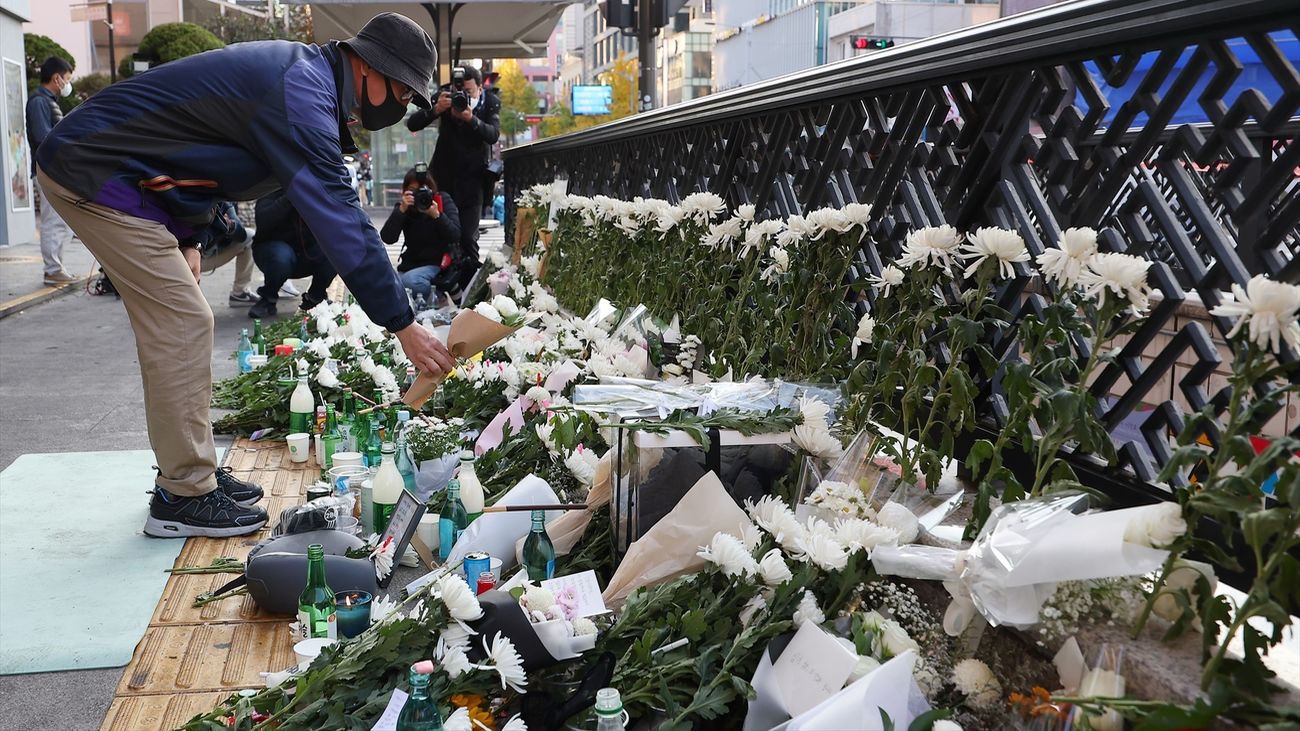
(925, 721)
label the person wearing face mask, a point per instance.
(135, 171)
(43, 112)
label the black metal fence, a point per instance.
(1168, 125)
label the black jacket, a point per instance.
(463, 147)
(278, 220)
(43, 112)
(425, 240)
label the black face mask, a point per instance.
(384, 115)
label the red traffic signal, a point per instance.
(867, 43)
(533, 118)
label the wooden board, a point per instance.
(192, 658)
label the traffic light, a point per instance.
(533, 118)
(867, 43)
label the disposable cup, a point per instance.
(346, 459)
(256, 361)
(347, 524)
(307, 650)
(427, 530)
(298, 446)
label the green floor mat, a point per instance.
(79, 580)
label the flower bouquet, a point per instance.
(471, 332)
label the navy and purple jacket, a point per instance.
(232, 124)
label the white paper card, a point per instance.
(388, 721)
(585, 587)
(812, 668)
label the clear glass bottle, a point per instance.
(539, 553)
(471, 490)
(452, 521)
(245, 350)
(302, 408)
(420, 712)
(330, 441)
(373, 450)
(316, 602)
(405, 465)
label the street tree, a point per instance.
(171, 41)
(518, 99)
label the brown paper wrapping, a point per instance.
(668, 549)
(566, 530)
(524, 229)
(470, 333)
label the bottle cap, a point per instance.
(466, 456)
(403, 415)
(388, 447)
(608, 702)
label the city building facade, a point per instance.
(17, 215)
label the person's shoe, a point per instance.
(308, 303)
(243, 493)
(242, 299)
(214, 515)
(289, 290)
(58, 279)
(262, 310)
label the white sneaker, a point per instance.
(289, 290)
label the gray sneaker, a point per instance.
(242, 299)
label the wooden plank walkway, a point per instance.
(191, 658)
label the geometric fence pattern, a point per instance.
(1170, 126)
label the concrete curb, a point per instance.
(45, 294)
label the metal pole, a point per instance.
(112, 51)
(645, 53)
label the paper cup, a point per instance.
(347, 524)
(495, 565)
(298, 445)
(427, 530)
(318, 451)
(346, 459)
(307, 650)
(256, 361)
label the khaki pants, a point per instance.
(173, 333)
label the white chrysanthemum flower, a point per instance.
(1065, 265)
(780, 264)
(930, 246)
(758, 234)
(703, 207)
(866, 326)
(318, 347)
(750, 536)
(797, 230)
(944, 724)
(1267, 308)
(890, 277)
(858, 214)
(487, 310)
(897, 517)
(858, 534)
(746, 212)
(1123, 275)
(461, 603)
(508, 308)
(326, 378)
(824, 220)
(502, 657)
(818, 442)
(722, 234)
(773, 569)
(546, 433)
(455, 662)
(730, 555)
(537, 395)
(383, 558)
(808, 611)
(583, 627)
(459, 719)
(453, 637)
(537, 598)
(975, 681)
(1006, 247)
(582, 463)
(515, 724)
(772, 515)
(1157, 526)
(667, 219)
(814, 412)
(820, 547)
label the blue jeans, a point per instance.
(281, 262)
(420, 280)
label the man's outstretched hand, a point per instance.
(425, 351)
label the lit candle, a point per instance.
(352, 612)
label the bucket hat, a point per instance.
(397, 47)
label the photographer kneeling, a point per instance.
(284, 248)
(429, 224)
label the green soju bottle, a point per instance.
(420, 712)
(374, 449)
(360, 434)
(452, 522)
(259, 340)
(316, 603)
(330, 441)
(539, 554)
(346, 418)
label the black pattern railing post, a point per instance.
(1019, 124)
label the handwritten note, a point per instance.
(388, 721)
(585, 587)
(813, 668)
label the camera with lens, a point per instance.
(459, 99)
(423, 194)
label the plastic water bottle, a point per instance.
(245, 350)
(609, 711)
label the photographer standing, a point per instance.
(429, 225)
(469, 123)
